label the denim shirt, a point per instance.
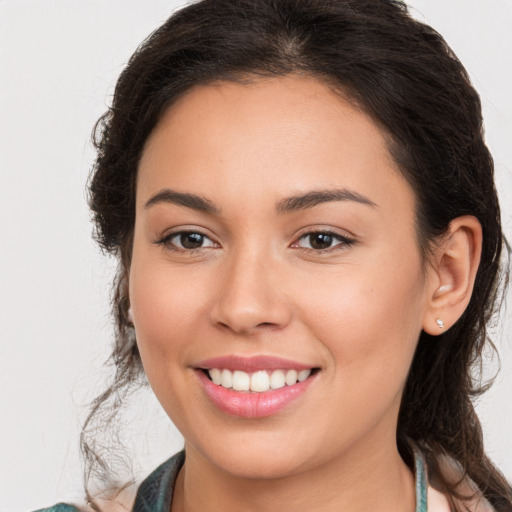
(155, 492)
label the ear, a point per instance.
(453, 271)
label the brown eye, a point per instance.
(187, 241)
(322, 241)
(191, 240)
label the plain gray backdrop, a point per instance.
(59, 60)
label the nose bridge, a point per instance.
(249, 295)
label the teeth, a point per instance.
(226, 379)
(277, 379)
(303, 375)
(291, 377)
(216, 376)
(241, 380)
(259, 381)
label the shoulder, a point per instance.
(437, 502)
(475, 501)
(106, 505)
(472, 499)
(154, 493)
(60, 507)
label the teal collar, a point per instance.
(421, 481)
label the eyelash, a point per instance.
(343, 241)
(166, 241)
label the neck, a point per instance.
(371, 479)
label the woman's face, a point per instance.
(274, 234)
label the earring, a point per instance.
(130, 315)
(440, 323)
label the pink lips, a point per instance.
(252, 405)
(251, 364)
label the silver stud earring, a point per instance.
(440, 323)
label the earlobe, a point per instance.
(455, 265)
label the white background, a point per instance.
(59, 60)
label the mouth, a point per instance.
(254, 387)
(260, 381)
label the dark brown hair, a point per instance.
(401, 73)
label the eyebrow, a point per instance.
(314, 198)
(183, 199)
(288, 205)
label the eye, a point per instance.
(187, 241)
(322, 241)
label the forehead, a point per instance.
(286, 132)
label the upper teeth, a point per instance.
(259, 381)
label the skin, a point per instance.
(256, 287)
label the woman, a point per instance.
(308, 232)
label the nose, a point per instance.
(250, 297)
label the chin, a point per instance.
(260, 458)
(260, 465)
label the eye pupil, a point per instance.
(320, 240)
(191, 240)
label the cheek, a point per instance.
(166, 309)
(369, 317)
(369, 325)
(167, 315)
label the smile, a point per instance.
(254, 387)
(259, 381)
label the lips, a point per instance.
(252, 364)
(254, 387)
